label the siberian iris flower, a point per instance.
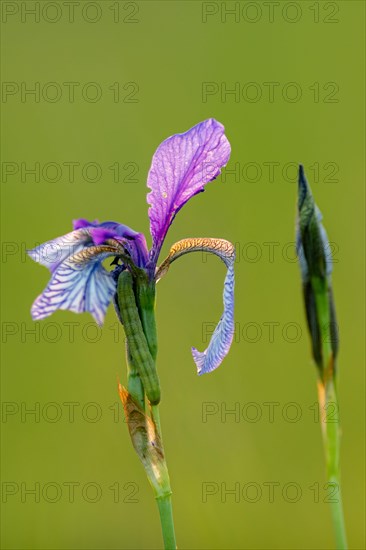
(182, 165)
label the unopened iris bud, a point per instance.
(312, 240)
(316, 267)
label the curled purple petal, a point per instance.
(222, 337)
(181, 166)
(208, 360)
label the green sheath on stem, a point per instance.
(134, 384)
(136, 339)
(145, 296)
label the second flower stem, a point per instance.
(331, 441)
(329, 411)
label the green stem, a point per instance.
(166, 518)
(338, 519)
(136, 299)
(331, 439)
(146, 304)
(164, 498)
(329, 411)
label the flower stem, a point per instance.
(136, 300)
(329, 412)
(166, 518)
(164, 498)
(338, 519)
(331, 439)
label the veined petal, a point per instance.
(180, 168)
(218, 348)
(222, 337)
(52, 253)
(79, 284)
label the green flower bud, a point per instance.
(316, 267)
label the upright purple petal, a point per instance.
(180, 168)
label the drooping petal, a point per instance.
(52, 253)
(180, 168)
(222, 337)
(79, 284)
(208, 360)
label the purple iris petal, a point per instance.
(222, 337)
(135, 242)
(78, 284)
(101, 234)
(180, 168)
(82, 222)
(52, 253)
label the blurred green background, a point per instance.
(149, 64)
